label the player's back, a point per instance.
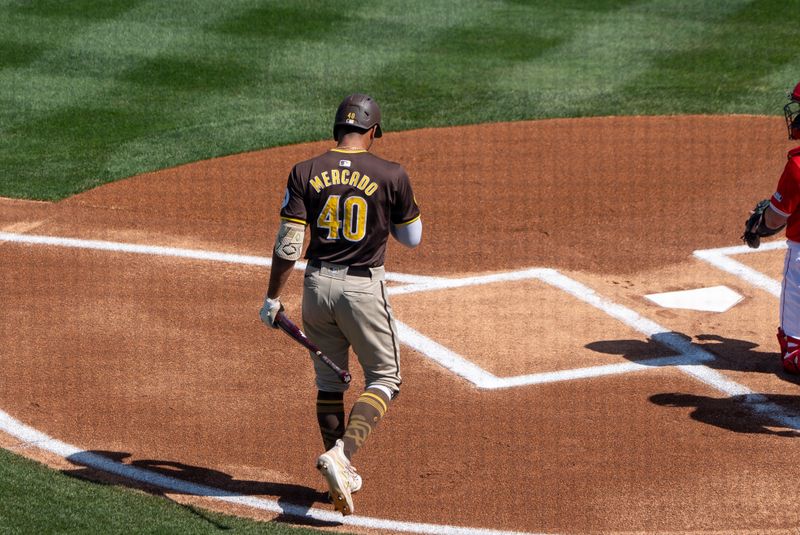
(349, 199)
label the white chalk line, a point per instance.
(687, 352)
(693, 356)
(721, 259)
(32, 437)
(689, 360)
(157, 250)
(448, 283)
(443, 356)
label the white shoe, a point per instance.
(343, 480)
(357, 482)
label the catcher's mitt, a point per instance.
(754, 227)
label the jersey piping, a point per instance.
(408, 222)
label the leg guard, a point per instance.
(790, 352)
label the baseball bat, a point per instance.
(287, 326)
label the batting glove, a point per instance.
(269, 312)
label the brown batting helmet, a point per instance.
(360, 111)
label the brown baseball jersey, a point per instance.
(348, 199)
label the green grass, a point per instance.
(35, 499)
(93, 91)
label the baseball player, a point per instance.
(770, 217)
(350, 200)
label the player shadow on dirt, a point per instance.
(109, 467)
(748, 413)
(728, 353)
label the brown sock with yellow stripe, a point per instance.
(367, 412)
(330, 416)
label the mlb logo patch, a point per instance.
(778, 197)
(344, 163)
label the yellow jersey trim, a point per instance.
(408, 222)
(299, 221)
(348, 151)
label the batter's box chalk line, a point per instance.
(410, 284)
(689, 359)
(32, 437)
(721, 259)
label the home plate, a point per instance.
(713, 299)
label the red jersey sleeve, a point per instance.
(787, 197)
(294, 207)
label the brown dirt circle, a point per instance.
(162, 363)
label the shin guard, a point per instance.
(790, 352)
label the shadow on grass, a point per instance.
(163, 477)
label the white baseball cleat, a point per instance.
(342, 478)
(356, 480)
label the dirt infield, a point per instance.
(538, 400)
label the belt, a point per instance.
(354, 271)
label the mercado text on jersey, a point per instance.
(348, 199)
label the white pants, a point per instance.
(790, 292)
